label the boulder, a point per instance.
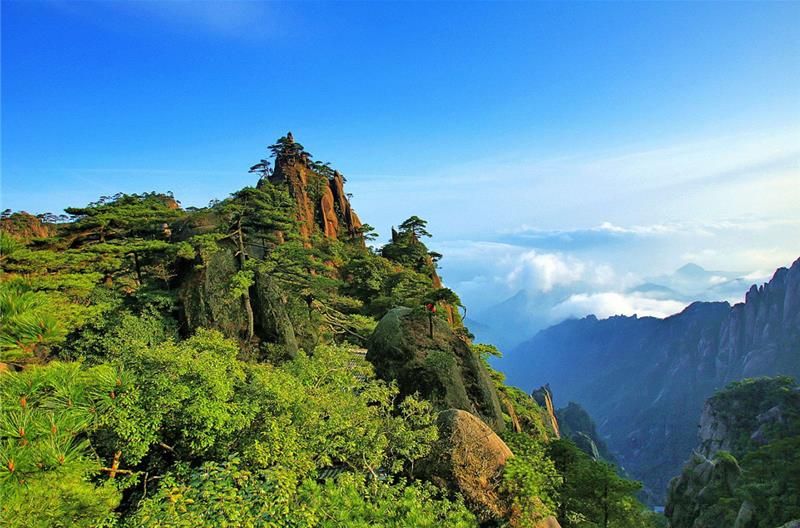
(549, 522)
(442, 368)
(469, 459)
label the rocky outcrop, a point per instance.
(349, 217)
(206, 300)
(321, 202)
(24, 226)
(645, 380)
(692, 494)
(747, 415)
(743, 418)
(576, 424)
(549, 522)
(544, 397)
(440, 366)
(204, 283)
(469, 459)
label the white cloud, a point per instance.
(545, 270)
(606, 304)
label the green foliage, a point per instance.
(530, 478)
(407, 249)
(770, 482)
(367, 232)
(123, 216)
(228, 495)
(286, 147)
(592, 494)
(326, 410)
(415, 226)
(8, 245)
(241, 282)
(29, 326)
(760, 474)
(45, 460)
(190, 403)
(741, 402)
(183, 396)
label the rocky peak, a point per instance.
(24, 226)
(322, 204)
(544, 397)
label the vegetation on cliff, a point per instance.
(745, 472)
(162, 366)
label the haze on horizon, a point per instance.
(581, 149)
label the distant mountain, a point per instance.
(644, 380)
(695, 283)
(518, 318)
(515, 319)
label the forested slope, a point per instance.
(170, 366)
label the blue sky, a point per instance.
(584, 144)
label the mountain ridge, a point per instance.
(644, 379)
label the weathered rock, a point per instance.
(706, 494)
(206, 300)
(549, 522)
(296, 174)
(24, 226)
(321, 200)
(576, 424)
(205, 295)
(330, 223)
(469, 459)
(702, 481)
(442, 368)
(751, 414)
(349, 217)
(544, 397)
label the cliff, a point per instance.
(321, 202)
(745, 433)
(544, 397)
(578, 426)
(645, 380)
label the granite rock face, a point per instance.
(204, 291)
(544, 397)
(24, 226)
(441, 367)
(469, 459)
(737, 421)
(645, 380)
(321, 202)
